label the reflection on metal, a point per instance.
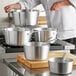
(21, 70)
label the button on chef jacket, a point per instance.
(63, 20)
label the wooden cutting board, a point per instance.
(43, 64)
(42, 20)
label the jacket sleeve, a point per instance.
(29, 3)
(73, 2)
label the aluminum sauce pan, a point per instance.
(60, 65)
(17, 36)
(36, 51)
(45, 34)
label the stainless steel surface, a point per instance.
(23, 17)
(18, 17)
(61, 45)
(5, 71)
(13, 68)
(60, 66)
(17, 36)
(36, 73)
(21, 71)
(45, 34)
(32, 17)
(36, 51)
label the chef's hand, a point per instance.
(60, 4)
(12, 6)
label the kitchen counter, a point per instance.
(21, 70)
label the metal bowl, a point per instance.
(36, 50)
(60, 65)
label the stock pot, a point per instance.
(18, 17)
(32, 17)
(45, 34)
(17, 36)
(36, 50)
(23, 17)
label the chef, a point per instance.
(62, 15)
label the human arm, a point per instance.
(22, 4)
(58, 5)
(12, 6)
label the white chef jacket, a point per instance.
(63, 20)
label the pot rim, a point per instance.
(17, 29)
(23, 10)
(44, 29)
(55, 60)
(37, 44)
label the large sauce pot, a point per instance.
(36, 50)
(23, 17)
(45, 34)
(17, 36)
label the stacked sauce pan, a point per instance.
(25, 28)
(34, 50)
(38, 50)
(22, 21)
(23, 18)
(25, 23)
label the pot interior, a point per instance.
(60, 60)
